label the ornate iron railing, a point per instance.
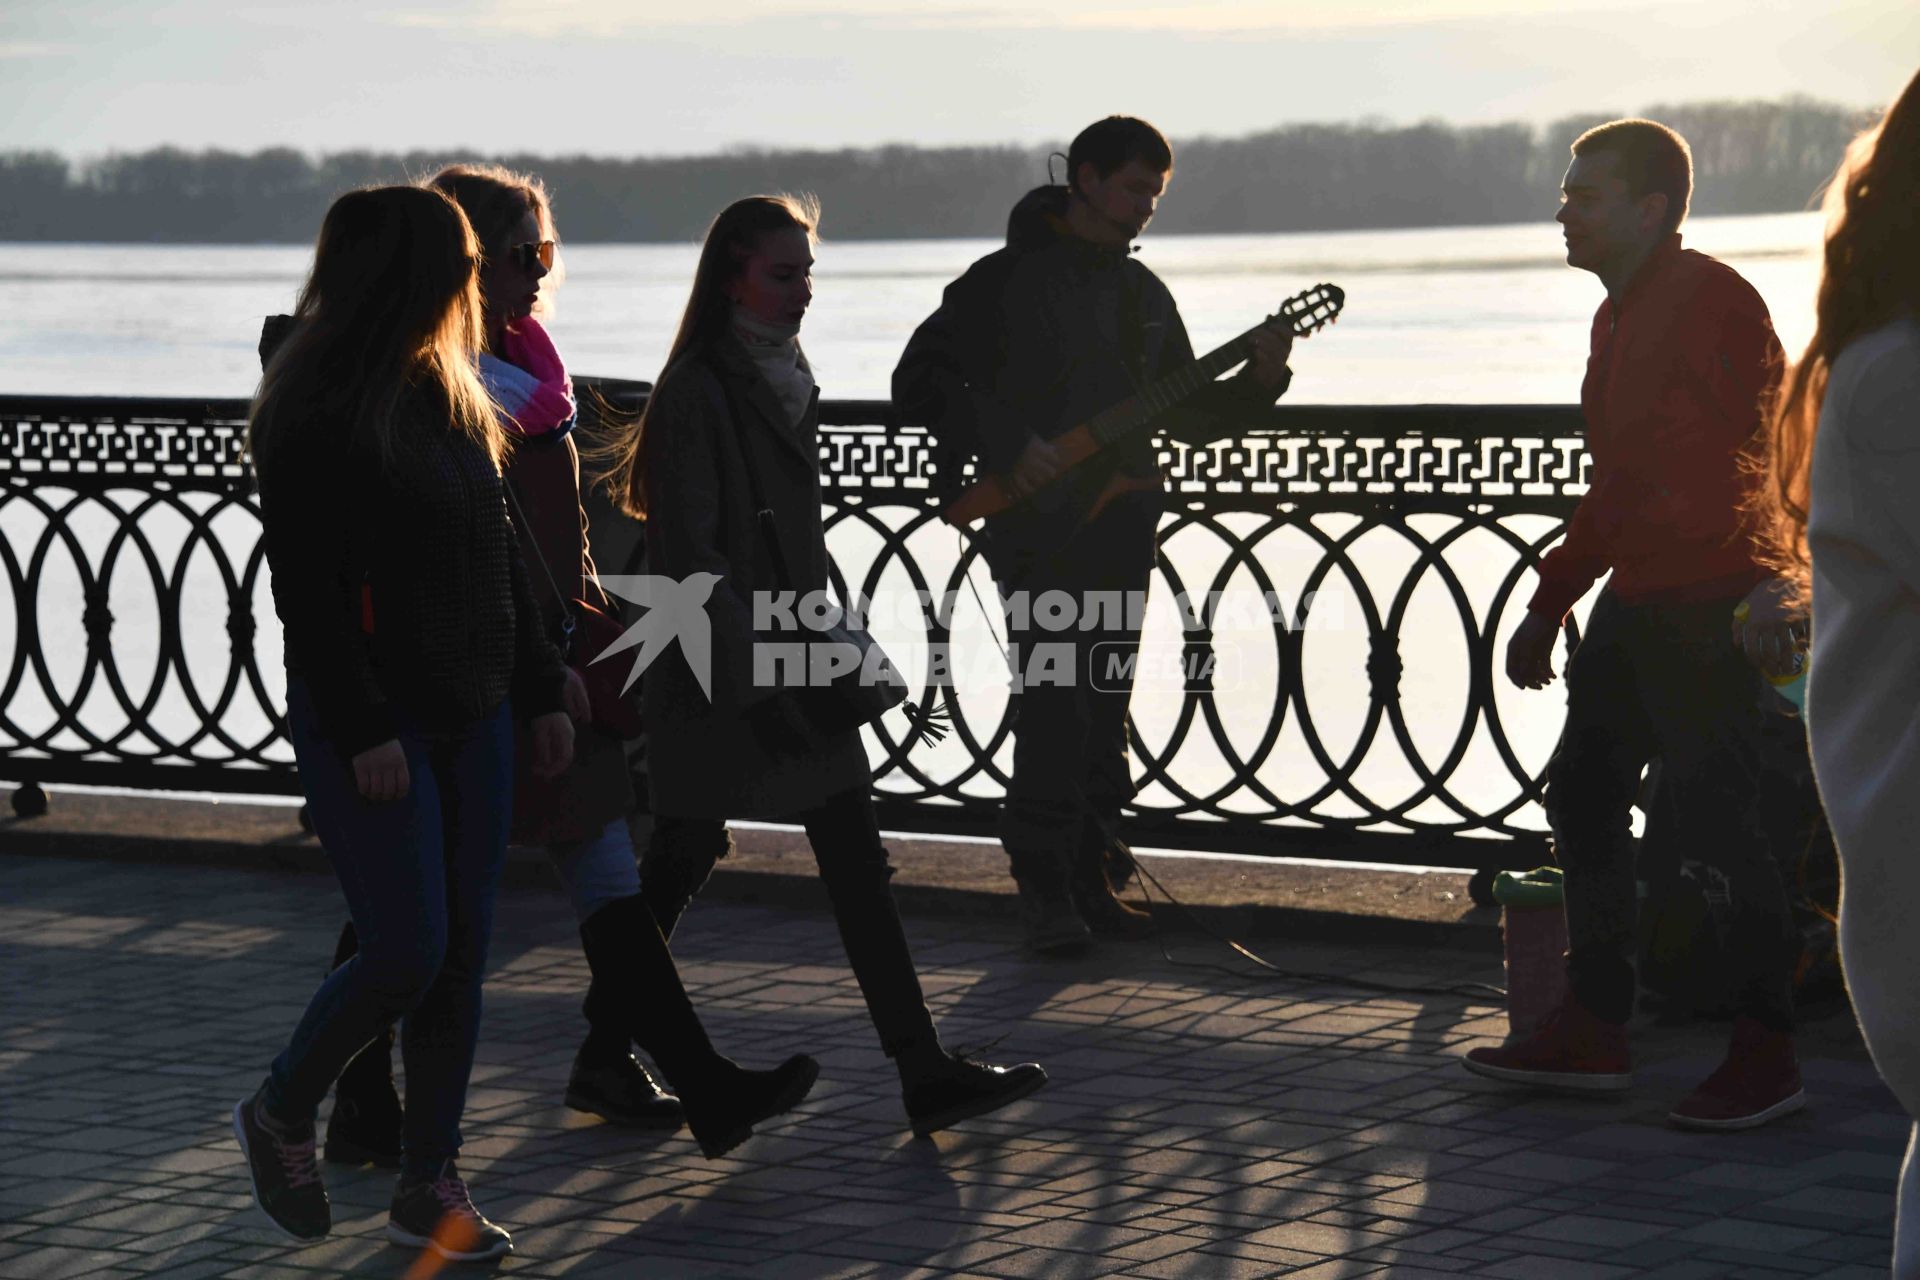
(1381, 551)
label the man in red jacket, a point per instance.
(1683, 356)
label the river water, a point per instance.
(1453, 315)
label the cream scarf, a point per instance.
(775, 351)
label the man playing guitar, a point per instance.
(1035, 338)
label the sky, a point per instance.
(86, 77)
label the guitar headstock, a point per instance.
(1311, 309)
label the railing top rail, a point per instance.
(1524, 457)
(1468, 419)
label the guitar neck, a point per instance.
(1129, 416)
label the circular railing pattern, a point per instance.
(1362, 536)
(144, 502)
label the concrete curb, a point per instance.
(937, 878)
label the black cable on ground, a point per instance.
(1460, 990)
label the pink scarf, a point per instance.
(529, 382)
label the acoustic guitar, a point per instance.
(1052, 513)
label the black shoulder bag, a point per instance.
(870, 689)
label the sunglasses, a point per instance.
(525, 255)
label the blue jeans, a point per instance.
(597, 870)
(420, 875)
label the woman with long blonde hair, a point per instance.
(412, 644)
(724, 467)
(1843, 499)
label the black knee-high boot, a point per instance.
(722, 1100)
(365, 1125)
(607, 1081)
(679, 857)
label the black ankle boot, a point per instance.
(941, 1089)
(620, 1090)
(365, 1125)
(633, 969)
(607, 1080)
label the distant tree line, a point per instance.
(1750, 157)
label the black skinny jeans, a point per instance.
(1665, 680)
(845, 835)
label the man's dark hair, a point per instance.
(1110, 144)
(1650, 158)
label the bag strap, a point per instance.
(566, 605)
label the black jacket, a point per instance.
(427, 539)
(1048, 331)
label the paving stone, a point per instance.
(1535, 1266)
(1835, 1202)
(1324, 1239)
(1441, 1241)
(1200, 1265)
(1339, 1269)
(1607, 1233)
(1049, 1264)
(1744, 1234)
(1776, 1266)
(1195, 1126)
(53, 1262)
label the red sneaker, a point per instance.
(1572, 1050)
(1758, 1082)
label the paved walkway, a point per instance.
(1200, 1122)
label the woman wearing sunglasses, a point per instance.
(580, 817)
(724, 468)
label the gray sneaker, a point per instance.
(438, 1214)
(283, 1172)
(1053, 927)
